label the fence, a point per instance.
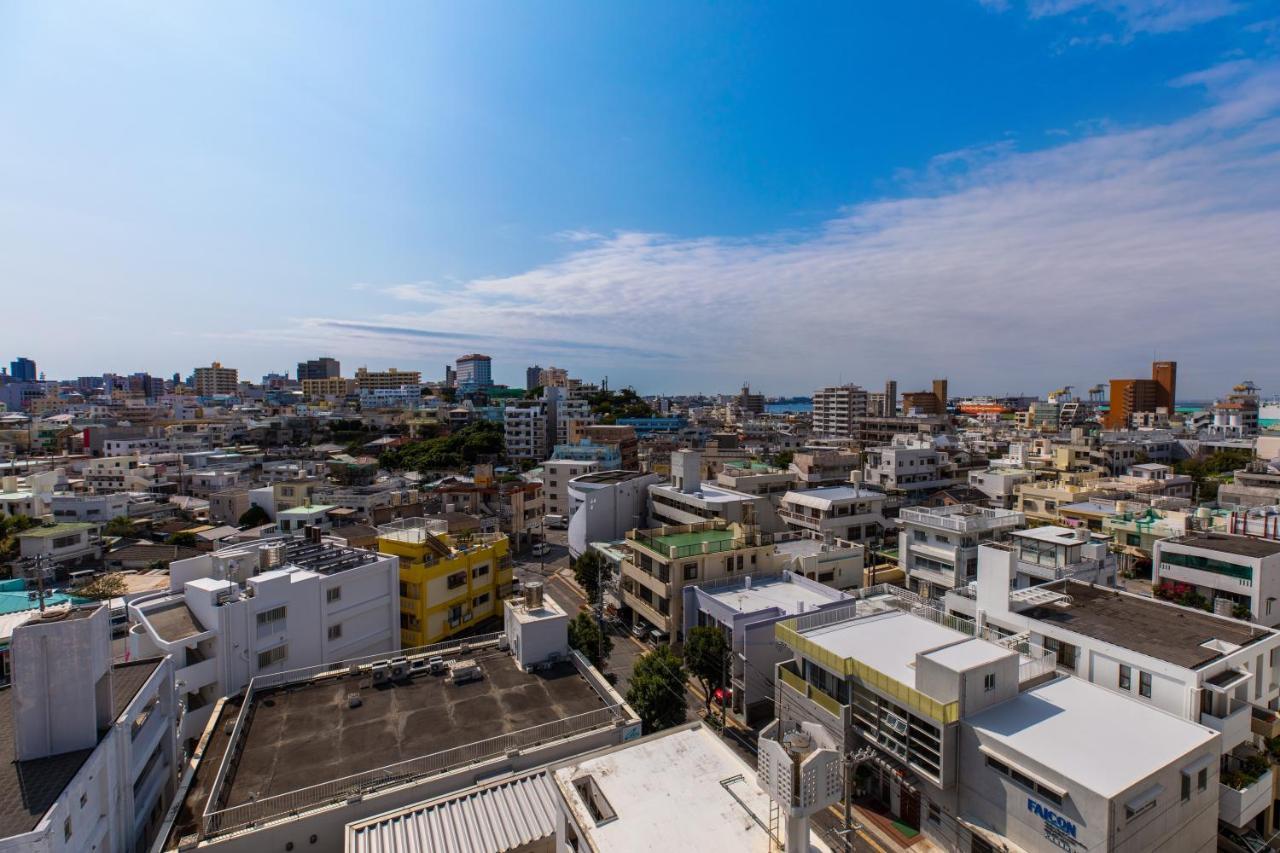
(246, 815)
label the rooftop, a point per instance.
(1055, 535)
(63, 529)
(1126, 743)
(772, 591)
(678, 790)
(693, 537)
(307, 734)
(29, 788)
(173, 621)
(606, 477)
(1243, 546)
(1162, 631)
(706, 492)
(823, 498)
(886, 642)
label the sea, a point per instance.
(803, 406)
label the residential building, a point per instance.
(226, 506)
(121, 474)
(1039, 500)
(836, 563)
(873, 430)
(265, 606)
(938, 546)
(448, 583)
(689, 499)
(474, 372)
(215, 381)
(517, 507)
(553, 377)
(836, 407)
(299, 518)
(815, 468)
(390, 379)
(331, 387)
(532, 377)
(977, 746)
(1255, 485)
(835, 512)
(751, 404)
(62, 542)
(605, 457)
(604, 505)
(90, 759)
(301, 764)
(556, 474)
(909, 466)
(605, 435)
(92, 508)
(1130, 396)
(1235, 575)
(22, 369)
(1042, 554)
(319, 368)
(1208, 669)
(1000, 484)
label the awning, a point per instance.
(1035, 777)
(1137, 803)
(1227, 681)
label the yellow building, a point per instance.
(448, 583)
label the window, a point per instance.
(270, 656)
(66, 830)
(1202, 779)
(1126, 678)
(335, 632)
(480, 599)
(84, 798)
(1144, 684)
(334, 593)
(457, 579)
(480, 571)
(1132, 539)
(275, 614)
(690, 571)
(920, 536)
(1186, 787)
(1131, 813)
(989, 682)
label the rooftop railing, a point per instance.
(966, 519)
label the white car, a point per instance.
(541, 549)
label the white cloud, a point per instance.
(1130, 16)
(1018, 271)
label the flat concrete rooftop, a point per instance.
(1165, 632)
(1243, 546)
(306, 734)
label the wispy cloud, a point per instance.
(1067, 264)
(1114, 21)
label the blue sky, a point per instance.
(1018, 195)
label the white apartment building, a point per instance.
(688, 499)
(533, 428)
(263, 607)
(1235, 574)
(835, 512)
(1216, 671)
(938, 546)
(556, 474)
(976, 744)
(90, 757)
(835, 408)
(817, 467)
(1000, 484)
(100, 508)
(1041, 554)
(120, 474)
(604, 505)
(908, 465)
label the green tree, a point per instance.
(186, 537)
(589, 571)
(103, 587)
(656, 691)
(782, 458)
(121, 525)
(585, 636)
(254, 516)
(706, 656)
(10, 527)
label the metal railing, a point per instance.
(246, 815)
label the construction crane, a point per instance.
(1096, 394)
(1062, 395)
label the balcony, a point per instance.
(1265, 723)
(827, 703)
(1243, 796)
(1234, 725)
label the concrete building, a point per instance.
(90, 756)
(1042, 554)
(265, 607)
(332, 387)
(1131, 396)
(815, 468)
(474, 372)
(835, 512)
(390, 379)
(1000, 484)
(688, 499)
(215, 381)
(604, 505)
(556, 474)
(835, 409)
(606, 435)
(305, 754)
(1256, 485)
(973, 742)
(22, 369)
(92, 508)
(938, 546)
(909, 466)
(448, 583)
(746, 608)
(62, 542)
(1234, 574)
(319, 368)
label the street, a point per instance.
(553, 570)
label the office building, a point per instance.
(319, 368)
(448, 583)
(1130, 397)
(22, 369)
(835, 408)
(90, 757)
(215, 381)
(474, 372)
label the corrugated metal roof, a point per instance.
(500, 817)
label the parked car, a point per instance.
(556, 522)
(541, 549)
(1236, 841)
(639, 630)
(657, 637)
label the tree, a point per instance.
(254, 516)
(656, 691)
(706, 655)
(588, 571)
(10, 527)
(782, 458)
(102, 587)
(585, 636)
(186, 537)
(121, 525)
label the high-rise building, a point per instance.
(450, 376)
(215, 380)
(940, 392)
(319, 368)
(748, 402)
(22, 369)
(890, 399)
(1130, 396)
(475, 371)
(836, 407)
(532, 377)
(386, 380)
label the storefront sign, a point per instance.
(1052, 820)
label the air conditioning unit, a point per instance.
(381, 671)
(400, 669)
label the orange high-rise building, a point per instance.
(1129, 396)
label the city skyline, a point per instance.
(1097, 192)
